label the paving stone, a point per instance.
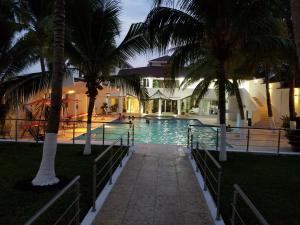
(157, 187)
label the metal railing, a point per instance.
(72, 131)
(111, 157)
(276, 140)
(236, 215)
(211, 171)
(72, 207)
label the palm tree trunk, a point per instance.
(239, 99)
(46, 174)
(291, 95)
(268, 97)
(222, 109)
(43, 67)
(295, 9)
(293, 71)
(87, 147)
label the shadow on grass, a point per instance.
(20, 161)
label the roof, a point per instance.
(161, 59)
(158, 95)
(148, 71)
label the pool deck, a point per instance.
(157, 187)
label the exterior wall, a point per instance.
(279, 98)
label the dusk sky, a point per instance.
(132, 11)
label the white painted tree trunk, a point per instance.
(46, 174)
(272, 122)
(243, 131)
(223, 153)
(87, 147)
(238, 120)
(293, 124)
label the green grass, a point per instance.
(21, 162)
(271, 182)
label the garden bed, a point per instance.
(271, 182)
(19, 162)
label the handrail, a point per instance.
(271, 140)
(23, 129)
(107, 149)
(55, 198)
(68, 121)
(246, 128)
(239, 192)
(209, 177)
(110, 163)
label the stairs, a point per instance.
(264, 119)
(258, 102)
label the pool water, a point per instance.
(163, 131)
(157, 131)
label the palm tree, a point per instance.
(46, 174)
(295, 9)
(283, 10)
(223, 27)
(15, 54)
(203, 72)
(94, 27)
(36, 14)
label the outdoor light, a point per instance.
(71, 92)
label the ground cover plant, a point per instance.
(20, 161)
(271, 182)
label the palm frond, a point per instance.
(131, 85)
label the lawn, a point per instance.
(271, 182)
(21, 161)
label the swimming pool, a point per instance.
(157, 131)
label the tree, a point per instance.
(282, 9)
(15, 54)
(221, 26)
(46, 174)
(295, 9)
(204, 73)
(94, 27)
(37, 16)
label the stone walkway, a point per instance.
(157, 187)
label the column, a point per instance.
(129, 105)
(159, 106)
(165, 106)
(179, 107)
(141, 107)
(120, 105)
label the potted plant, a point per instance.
(293, 135)
(285, 121)
(104, 107)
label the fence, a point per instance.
(236, 217)
(246, 139)
(70, 131)
(72, 207)
(112, 160)
(211, 171)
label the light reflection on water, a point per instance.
(164, 131)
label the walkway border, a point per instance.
(206, 194)
(90, 216)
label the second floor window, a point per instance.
(165, 84)
(146, 83)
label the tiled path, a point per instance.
(157, 187)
